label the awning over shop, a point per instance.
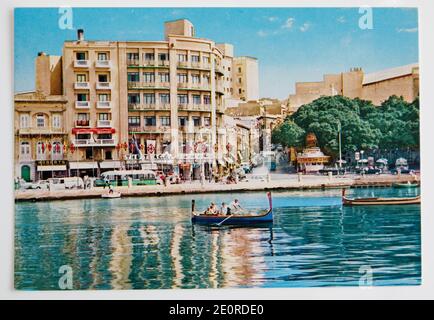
(51, 168)
(93, 130)
(109, 164)
(83, 165)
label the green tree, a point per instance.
(288, 134)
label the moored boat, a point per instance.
(405, 185)
(266, 216)
(112, 195)
(378, 201)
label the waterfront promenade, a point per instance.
(276, 182)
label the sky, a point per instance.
(291, 44)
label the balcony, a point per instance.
(81, 85)
(93, 142)
(103, 85)
(103, 104)
(133, 62)
(103, 64)
(148, 106)
(148, 85)
(219, 88)
(148, 63)
(104, 123)
(40, 131)
(183, 64)
(82, 123)
(82, 104)
(81, 64)
(163, 63)
(219, 69)
(195, 107)
(183, 85)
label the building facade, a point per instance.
(376, 87)
(142, 104)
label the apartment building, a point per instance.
(150, 101)
(245, 78)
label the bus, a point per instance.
(120, 178)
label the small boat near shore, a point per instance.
(406, 185)
(112, 195)
(378, 201)
(265, 216)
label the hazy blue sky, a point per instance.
(292, 44)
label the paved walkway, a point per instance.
(278, 182)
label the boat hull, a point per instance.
(111, 196)
(405, 185)
(380, 201)
(233, 219)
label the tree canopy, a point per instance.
(393, 124)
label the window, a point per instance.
(80, 55)
(83, 136)
(150, 121)
(103, 97)
(205, 59)
(40, 149)
(102, 56)
(149, 77)
(132, 57)
(81, 97)
(56, 120)
(165, 121)
(133, 98)
(239, 69)
(239, 80)
(134, 121)
(149, 98)
(164, 98)
(108, 155)
(164, 77)
(40, 121)
(182, 78)
(229, 68)
(81, 77)
(103, 116)
(133, 77)
(163, 56)
(82, 116)
(206, 121)
(103, 78)
(182, 57)
(182, 99)
(239, 91)
(195, 58)
(207, 99)
(24, 121)
(196, 99)
(195, 78)
(196, 121)
(148, 56)
(206, 79)
(182, 121)
(56, 148)
(25, 149)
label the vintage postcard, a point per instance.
(178, 148)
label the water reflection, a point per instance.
(139, 243)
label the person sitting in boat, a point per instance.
(225, 209)
(212, 209)
(110, 189)
(236, 206)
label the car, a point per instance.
(38, 185)
(402, 170)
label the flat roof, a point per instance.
(389, 73)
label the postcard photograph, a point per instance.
(209, 148)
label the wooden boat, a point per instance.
(111, 195)
(378, 201)
(266, 216)
(405, 185)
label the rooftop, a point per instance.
(389, 73)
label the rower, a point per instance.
(236, 206)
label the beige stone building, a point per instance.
(144, 103)
(245, 78)
(376, 87)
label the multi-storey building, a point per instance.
(245, 78)
(146, 102)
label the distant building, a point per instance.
(245, 76)
(376, 87)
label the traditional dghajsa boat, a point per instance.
(378, 201)
(405, 185)
(233, 219)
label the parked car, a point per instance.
(403, 170)
(66, 183)
(38, 185)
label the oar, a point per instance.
(218, 224)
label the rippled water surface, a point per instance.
(141, 243)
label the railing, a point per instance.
(82, 104)
(81, 85)
(81, 63)
(193, 86)
(90, 142)
(103, 85)
(41, 130)
(82, 123)
(163, 63)
(183, 85)
(104, 123)
(218, 69)
(195, 107)
(149, 106)
(183, 64)
(103, 63)
(103, 104)
(139, 85)
(133, 62)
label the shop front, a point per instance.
(46, 169)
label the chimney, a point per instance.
(80, 35)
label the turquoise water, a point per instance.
(150, 243)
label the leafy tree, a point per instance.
(288, 134)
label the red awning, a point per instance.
(93, 130)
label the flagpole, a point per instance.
(340, 149)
